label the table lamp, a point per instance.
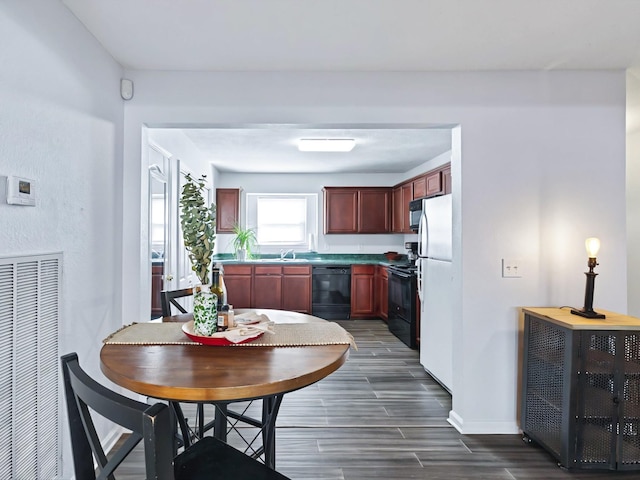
(593, 245)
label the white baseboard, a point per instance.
(478, 428)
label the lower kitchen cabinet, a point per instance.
(362, 291)
(296, 288)
(580, 394)
(269, 286)
(238, 280)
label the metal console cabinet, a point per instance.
(581, 388)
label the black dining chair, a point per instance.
(154, 425)
(169, 298)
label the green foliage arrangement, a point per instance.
(198, 223)
(245, 239)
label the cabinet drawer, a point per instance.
(363, 269)
(237, 269)
(297, 270)
(267, 270)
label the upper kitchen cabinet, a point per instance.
(432, 183)
(227, 209)
(446, 180)
(428, 184)
(357, 210)
(373, 210)
(340, 210)
(402, 195)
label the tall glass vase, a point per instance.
(205, 313)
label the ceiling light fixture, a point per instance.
(326, 144)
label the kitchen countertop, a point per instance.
(315, 259)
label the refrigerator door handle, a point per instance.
(422, 225)
(419, 274)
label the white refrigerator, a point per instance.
(435, 280)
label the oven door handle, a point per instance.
(400, 274)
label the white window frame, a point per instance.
(311, 229)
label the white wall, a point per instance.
(61, 124)
(542, 168)
(633, 190)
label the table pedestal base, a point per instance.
(225, 421)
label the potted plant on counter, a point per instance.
(198, 222)
(244, 242)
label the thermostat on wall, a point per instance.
(20, 191)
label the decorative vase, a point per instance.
(241, 254)
(205, 314)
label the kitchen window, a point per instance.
(283, 220)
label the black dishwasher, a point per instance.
(331, 292)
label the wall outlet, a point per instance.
(511, 268)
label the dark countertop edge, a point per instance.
(319, 261)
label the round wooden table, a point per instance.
(221, 375)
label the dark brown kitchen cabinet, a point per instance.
(157, 285)
(296, 288)
(238, 280)
(373, 210)
(419, 187)
(362, 291)
(434, 183)
(340, 210)
(357, 210)
(402, 195)
(267, 287)
(382, 292)
(227, 209)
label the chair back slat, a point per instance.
(170, 297)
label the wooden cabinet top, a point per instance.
(564, 318)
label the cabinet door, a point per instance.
(373, 210)
(296, 289)
(398, 210)
(362, 296)
(434, 183)
(340, 210)
(420, 187)
(267, 287)
(446, 180)
(237, 279)
(407, 196)
(227, 209)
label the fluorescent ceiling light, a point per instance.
(326, 144)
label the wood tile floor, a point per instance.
(380, 416)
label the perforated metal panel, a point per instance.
(596, 413)
(545, 384)
(629, 451)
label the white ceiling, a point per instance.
(273, 149)
(357, 35)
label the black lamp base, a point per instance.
(588, 313)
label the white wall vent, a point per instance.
(29, 366)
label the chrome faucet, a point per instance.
(284, 253)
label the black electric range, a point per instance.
(403, 303)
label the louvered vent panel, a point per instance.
(6, 370)
(29, 309)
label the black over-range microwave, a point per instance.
(415, 212)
